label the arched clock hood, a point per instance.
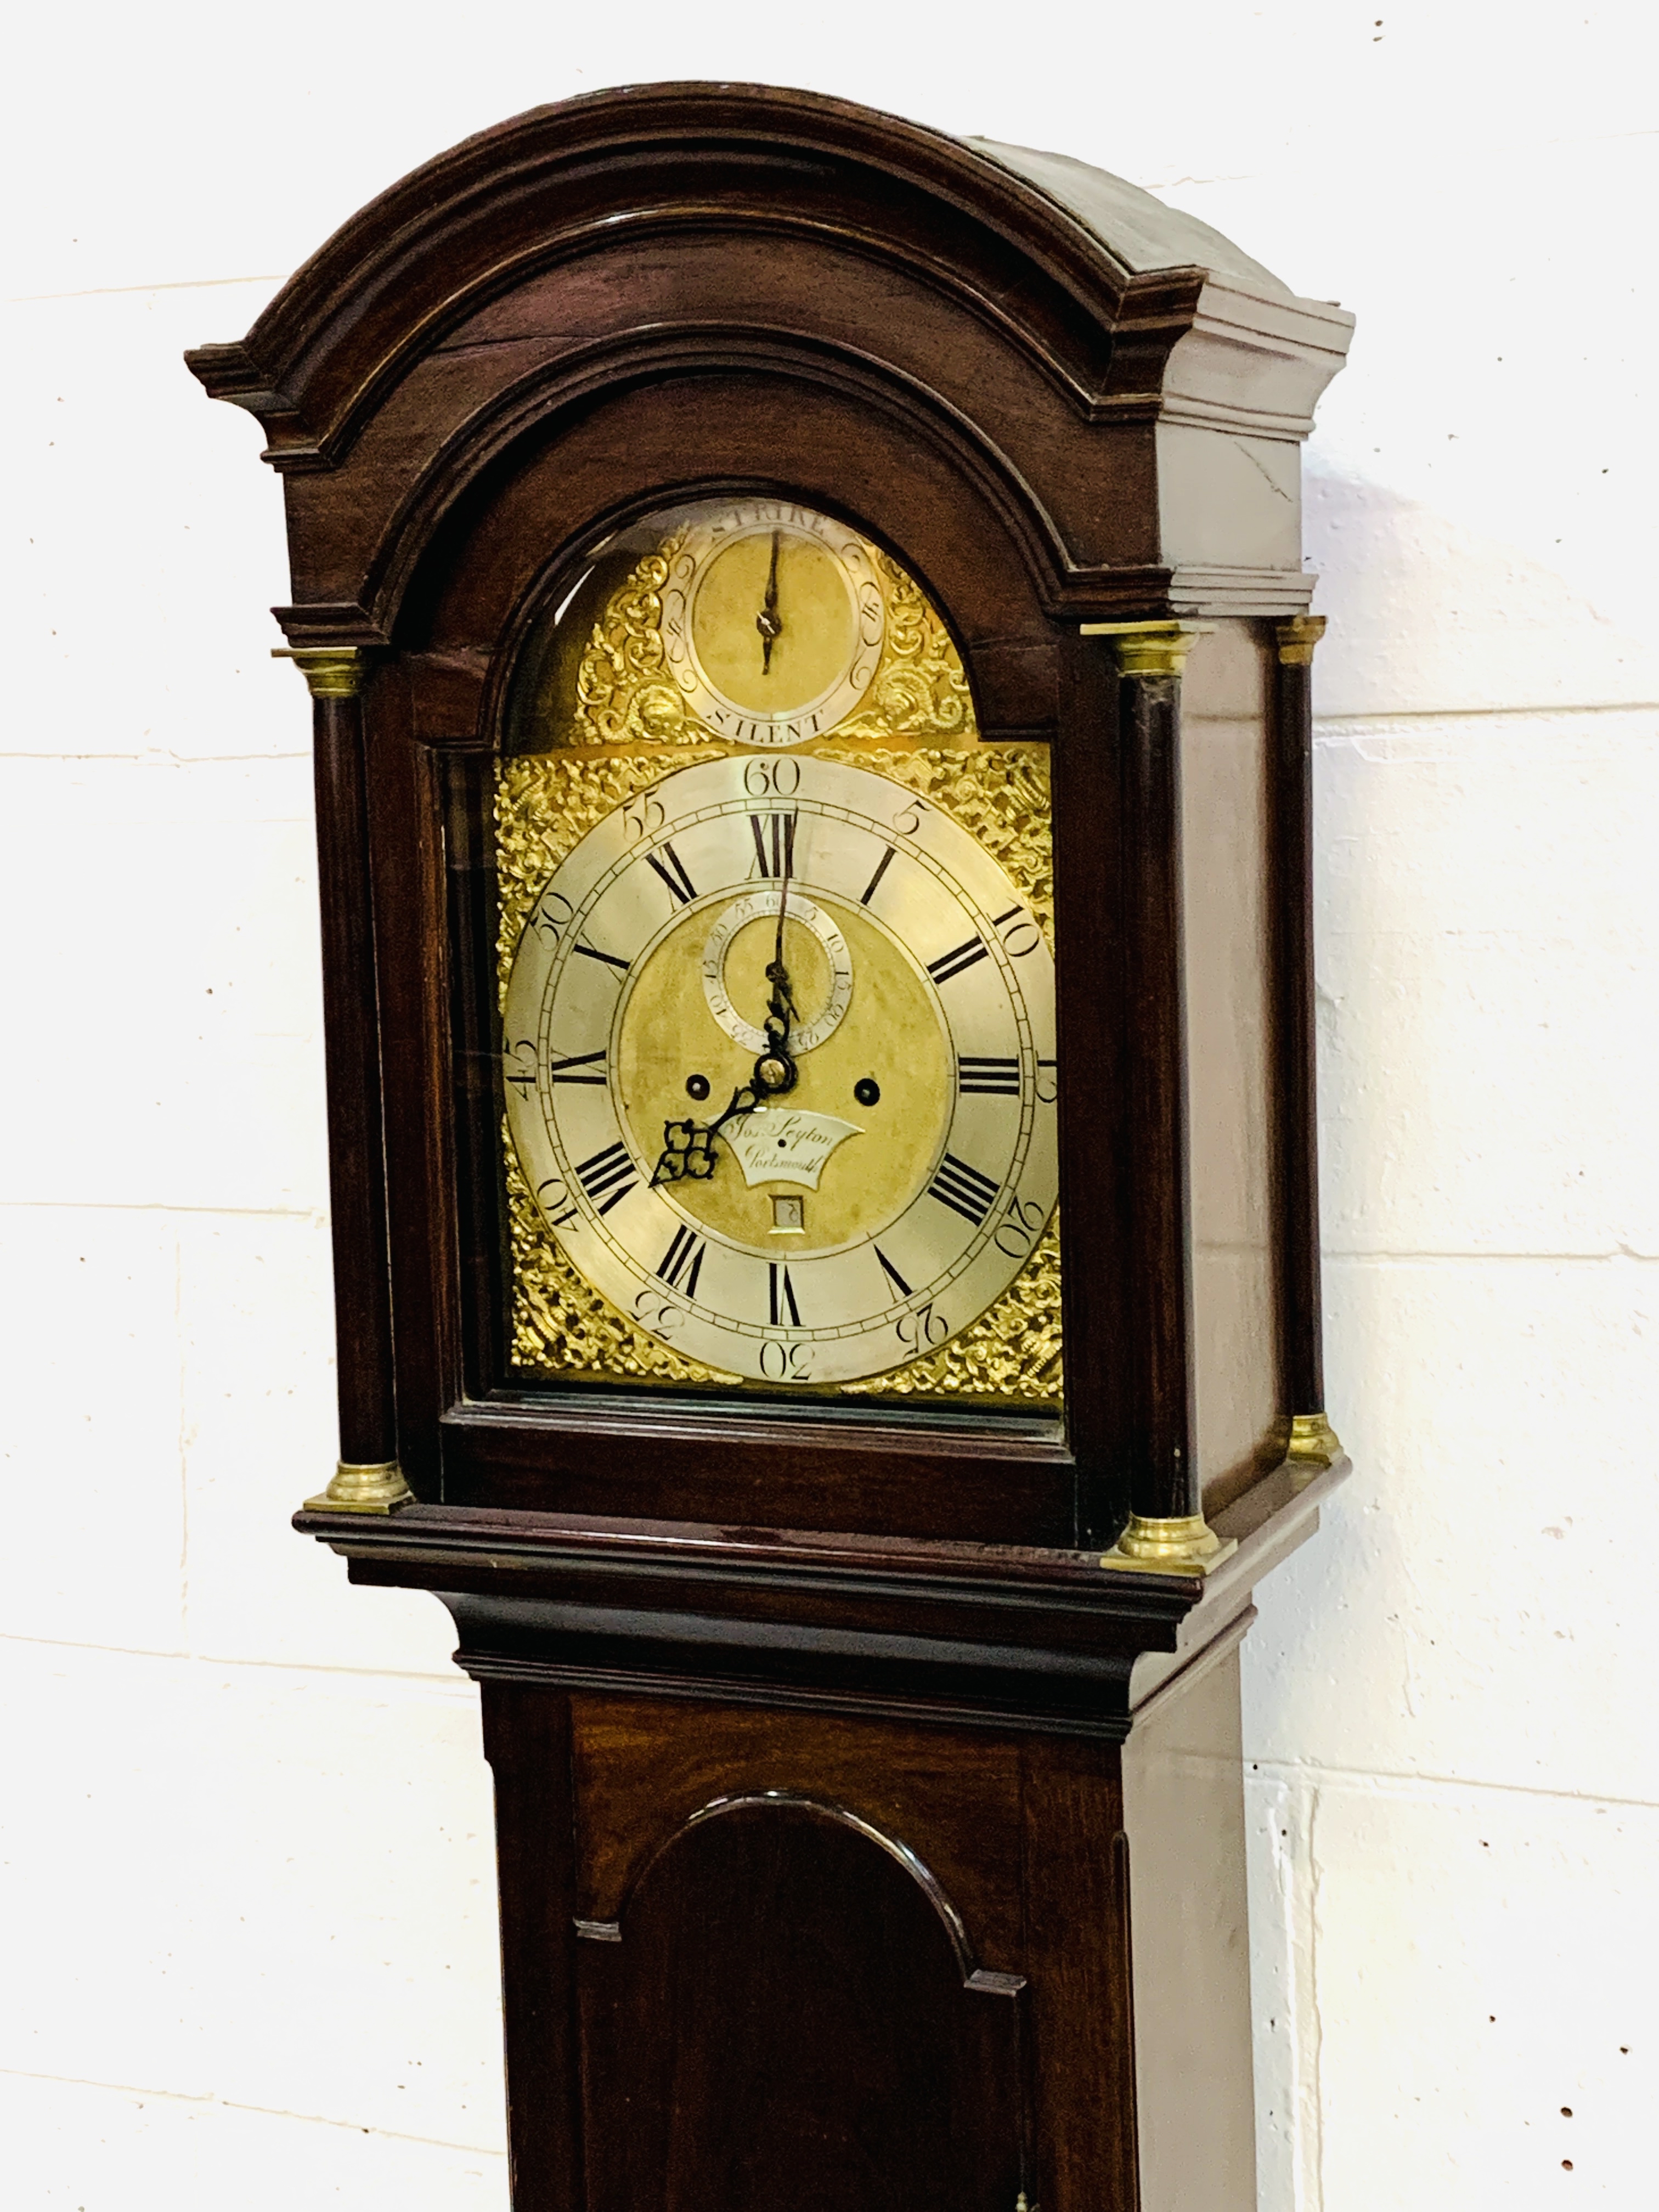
(1125, 390)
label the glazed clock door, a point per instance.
(776, 979)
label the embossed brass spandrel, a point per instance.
(673, 670)
(657, 644)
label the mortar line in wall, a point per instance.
(124, 291)
(1307, 1770)
(162, 1206)
(454, 1681)
(1339, 725)
(1316, 2028)
(233, 2105)
(183, 1435)
(153, 759)
(1333, 1253)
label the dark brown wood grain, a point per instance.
(1072, 1808)
(961, 1631)
(785, 2018)
(527, 1743)
(1092, 870)
(362, 1287)
(406, 845)
(1163, 1474)
(1297, 1117)
(643, 1770)
(890, 1953)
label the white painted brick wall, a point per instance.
(246, 1934)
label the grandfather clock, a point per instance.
(810, 653)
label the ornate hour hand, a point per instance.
(688, 1153)
(775, 1068)
(766, 621)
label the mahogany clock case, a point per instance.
(862, 1832)
(679, 293)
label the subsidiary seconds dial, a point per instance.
(862, 1216)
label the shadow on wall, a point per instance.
(1428, 617)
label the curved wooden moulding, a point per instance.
(1074, 387)
(863, 2051)
(786, 2018)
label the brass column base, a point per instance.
(378, 1489)
(1188, 1546)
(1312, 1445)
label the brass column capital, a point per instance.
(363, 1490)
(1150, 648)
(1296, 638)
(331, 672)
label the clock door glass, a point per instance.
(776, 982)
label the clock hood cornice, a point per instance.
(1008, 301)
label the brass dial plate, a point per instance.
(919, 1216)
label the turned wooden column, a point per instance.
(1311, 1440)
(1166, 1529)
(368, 1479)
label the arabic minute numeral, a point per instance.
(922, 1328)
(554, 914)
(980, 1076)
(764, 779)
(670, 866)
(959, 960)
(642, 816)
(1019, 934)
(553, 1196)
(522, 1076)
(1048, 1087)
(786, 1363)
(774, 844)
(962, 1189)
(682, 1263)
(783, 1312)
(607, 1175)
(1020, 1227)
(659, 1313)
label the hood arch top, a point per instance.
(476, 219)
(1137, 229)
(1122, 384)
